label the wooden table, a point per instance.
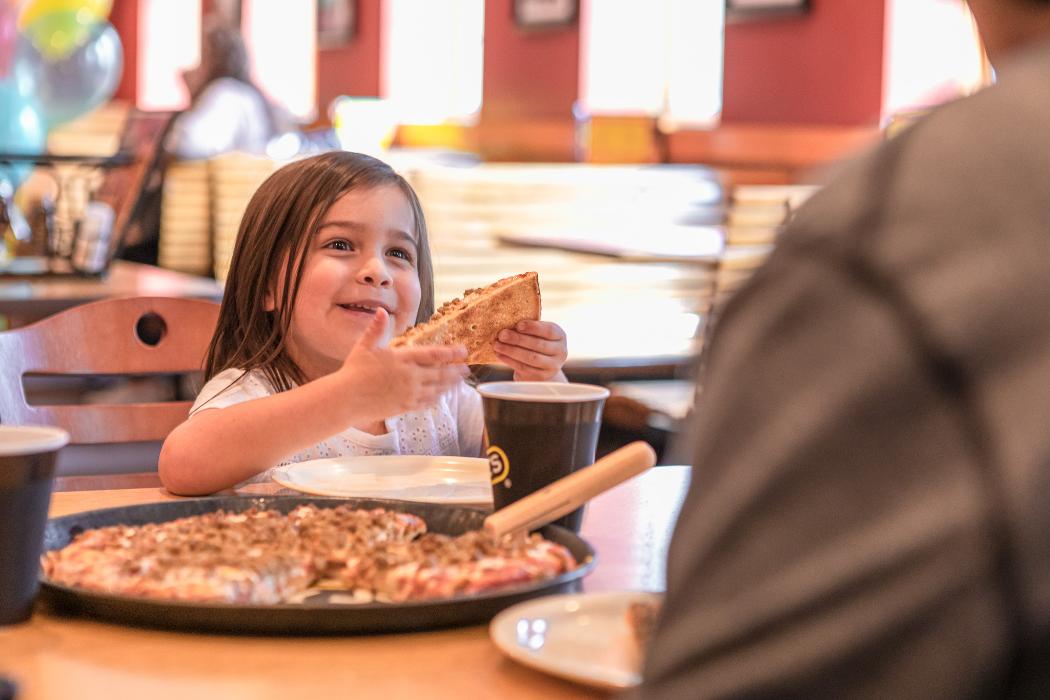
(55, 657)
(27, 299)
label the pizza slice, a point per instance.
(476, 319)
(248, 557)
(336, 536)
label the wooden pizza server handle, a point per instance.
(569, 493)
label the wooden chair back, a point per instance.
(136, 336)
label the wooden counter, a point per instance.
(27, 299)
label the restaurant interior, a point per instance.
(642, 158)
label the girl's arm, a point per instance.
(218, 448)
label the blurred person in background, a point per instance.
(227, 112)
(870, 508)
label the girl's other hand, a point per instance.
(392, 381)
(535, 350)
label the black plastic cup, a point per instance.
(539, 432)
(27, 465)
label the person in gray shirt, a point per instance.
(870, 509)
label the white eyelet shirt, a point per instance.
(451, 427)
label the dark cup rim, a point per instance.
(543, 392)
(20, 440)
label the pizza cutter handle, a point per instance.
(569, 493)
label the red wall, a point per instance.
(124, 16)
(821, 68)
(528, 74)
(824, 68)
(352, 69)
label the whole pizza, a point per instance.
(262, 556)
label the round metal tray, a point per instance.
(316, 615)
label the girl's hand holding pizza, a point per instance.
(535, 350)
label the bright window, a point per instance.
(169, 34)
(433, 53)
(281, 38)
(663, 59)
(169, 42)
(932, 54)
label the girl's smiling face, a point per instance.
(362, 256)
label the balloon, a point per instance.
(22, 130)
(58, 34)
(77, 84)
(24, 69)
(8, 36)
(89, 10)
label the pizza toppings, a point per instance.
(440, 566)
(265, 557)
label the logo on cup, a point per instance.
(499, 465)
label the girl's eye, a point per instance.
(339, 244)
(401, 253)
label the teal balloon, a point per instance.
(69, 87)
(22, 130)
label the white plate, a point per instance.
(583, 637)
(452, 480)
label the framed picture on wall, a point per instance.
(543, 14)
(756, 9)
(336, 22)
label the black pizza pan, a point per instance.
(317, 615)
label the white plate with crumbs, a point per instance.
(450, 480)
(581, 637)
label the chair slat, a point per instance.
(97, 423)
(100, 338)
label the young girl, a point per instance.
(332, 261)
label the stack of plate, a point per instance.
(234, 179)
(765, 207)
(185, 220)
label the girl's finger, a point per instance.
(375, 330)
(519, 358)
(530, 342)
(541, 329)
(529, 357)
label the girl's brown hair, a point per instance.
(277, 226)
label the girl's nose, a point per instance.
(374, 273)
